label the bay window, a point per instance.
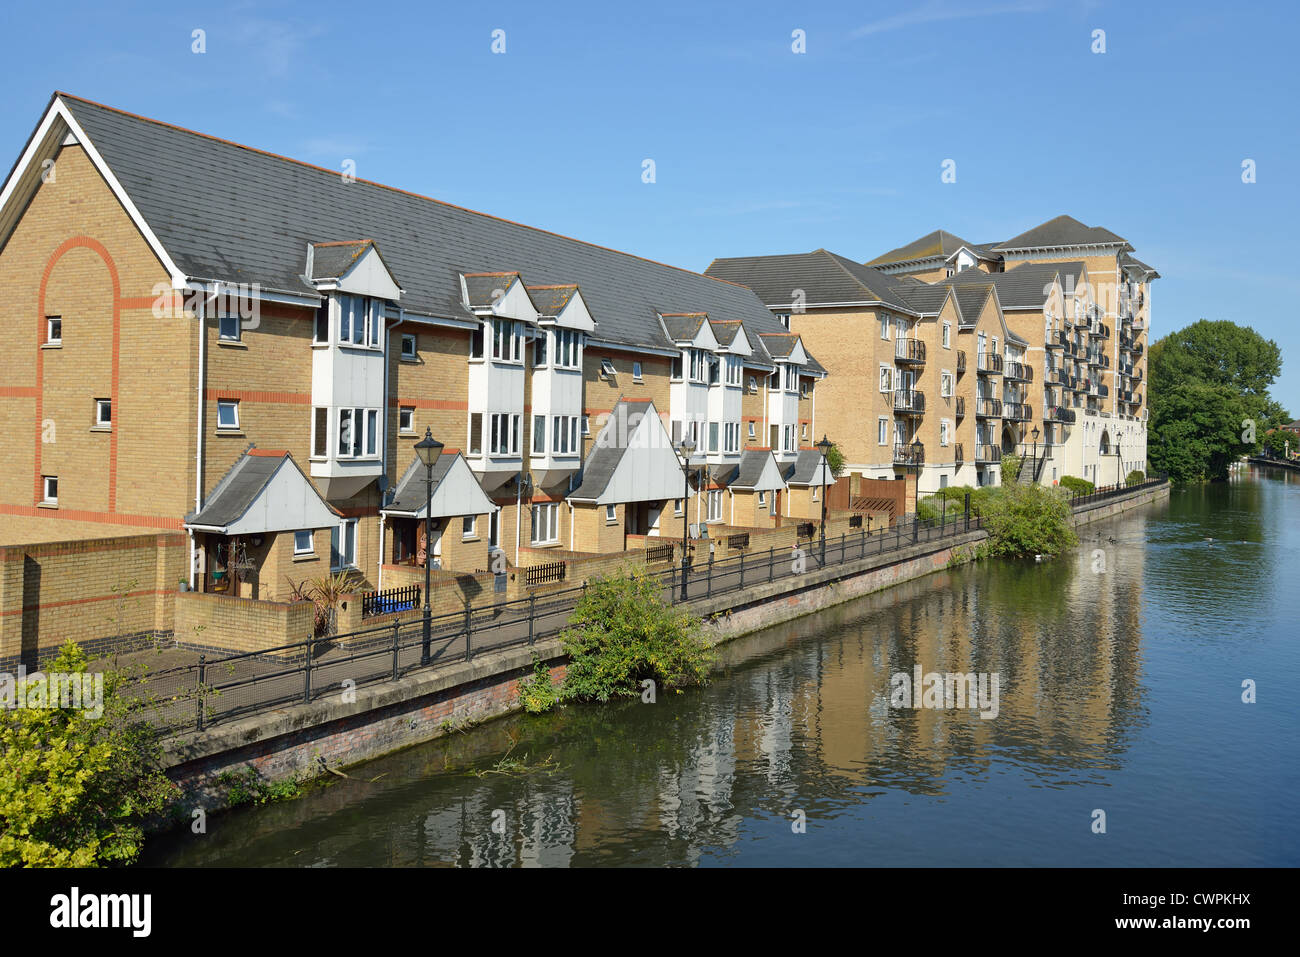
(503, 438)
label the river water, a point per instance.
(1120, 668)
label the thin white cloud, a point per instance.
(937, 11)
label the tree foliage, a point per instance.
(623, 632)
(1209, 398)
(76, 787)
(1026, 520)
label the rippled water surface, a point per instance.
(1120, 690)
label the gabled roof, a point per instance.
(807, 470)
(551, 300)
(632, 459)
(936, 245)
(1026, 285)
(1133, 263)
(1063, 231)
(971, 298)
(925, 298)
(456, 491)
(332, 260)
(684, 327)
(821, 275)
(756, 471)
(264, 491)
(222, 211)
(482, 289)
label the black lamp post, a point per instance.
(1034, 473)
(684, 451)
(428, 449)
(917, 451)
(824, 447)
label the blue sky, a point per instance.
(756, 149)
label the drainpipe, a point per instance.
(198, 435)
(383, 445)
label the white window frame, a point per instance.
(886, 378)
(611, 514)
(298, 550)
(762, 499)
(363, 432)
(947, 334)
(677, 507)
(885, 323)
(340, 535)
(414, 351)
(715, 506)
(636, 372)
(468, 527)
(370, 312)
(753, 384)
(223, 334)
(945, 431)
(502, 434)
(882, 430)
(52, 337)
(406, 412)
(49, 490)
(945, 384)
(233, 406)
(549, 523)
(100, 421)
(753, 429)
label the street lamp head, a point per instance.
(1035, 433)
(825, 446)
(687, 448)
(428, 448)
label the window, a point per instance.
(564, 435)
(408, 345)
(882, 431)
(302, 542)
(476, 433)
(753, 384)
(699, 365)
(476, 343)
(539, 435)
(636, 372)
(677, 507)
(945, 384)
(358, 433)
(611, 514)
(343, 544)
(506, 341)
(321, 331)
(586, 425)
(784, 319)
(713, 437)
(504, 437)
(50, 485)
(789, 438)
(539, 348)
(103, 413)
(886, 378)
(320, 432)
(607, 370)
(947, 335)
(568, 349)
(468, 527)
(228, 414)
(884, 327)
(228, 327)
(406, 419)
(803, 431)
(546, 524)
(752, 431)
(944, 429)
(762, 499)
(715, 506)
(675, 369)
(360, 321)
(53, 330)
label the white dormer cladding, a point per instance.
(688, 391)
(348, 363)
(727, 381)
(496, 434)
(783, 401)
(555, 425)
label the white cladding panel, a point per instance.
(343, 377)
(649, 470)
(288, 503)
(369, 277)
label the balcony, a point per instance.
(909, 401)
(959, 453)
(911, 454)
(1057, 377)
(961, 361)
(1016, 411)
(989, 363)
(1094, 358)
(1019, 372)
(1099, 330)
(909, 351)
(988, 408)
(1102, 390)
(1059, 413)
(960, 406)
(987, 454)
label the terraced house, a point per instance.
(961, 352)
(218, 341)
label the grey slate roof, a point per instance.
(1127, 260)
(925, 298)
(746, 474)
(779, 344)
(805, 468)
(936, 245)
(970, 300)
(823, 276)
(684, 328)
(1062, 231)
(602, 461)
(229, 212)
(411, 495)
(724, 331)
(551, 300)
(240, 487)
(1023, 286)
(332, 260)
(482, 288)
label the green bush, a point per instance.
(1135, 477)
(538, 693)
(1077, 485)
(1027, 520)
(1010, 469)
(78, 784)
(622, 633)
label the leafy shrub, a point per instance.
(1028, 520)
(1077, 485)
(538, 693)
(77, 784)
(1135, 477)
(1010, 469)
(622, 633)
(250, 788)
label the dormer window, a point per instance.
(568, 349)
(507, 342)
(361, 321)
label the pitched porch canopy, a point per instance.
(265, 491)
(456, 491)
(632, 460)
(757, 472)
(809, 469)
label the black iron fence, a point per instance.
(390, 600)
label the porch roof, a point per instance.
(264, 491)
(456, 490)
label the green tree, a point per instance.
(76, 786)
(1027, 520)
(622, 632)
(1209, 401)
(835, 461)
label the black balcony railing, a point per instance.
(909, 401)
(961, 406)
(1019, 372)
(959, 452)
(1059, 413)
(990, 363)
(961, 361)
(1057, 377)
(1103, 390)
(911, 454)
(1016, 411)
(1099, 330)
(985, 454)
(988, 408)
(909, 351)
